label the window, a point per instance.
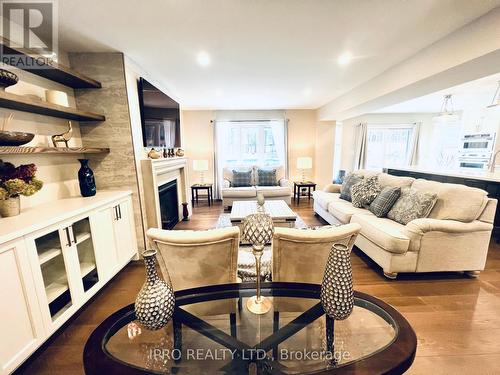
(251, 143)
(388, 145)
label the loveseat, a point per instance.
(454, 237)
(281, 191)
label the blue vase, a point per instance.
(86, 179)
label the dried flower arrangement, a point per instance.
(15, 181)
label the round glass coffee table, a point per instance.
(213, 332)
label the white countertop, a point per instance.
(479, 175)
(37, 217)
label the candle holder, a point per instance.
(258, 229)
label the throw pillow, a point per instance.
(412, 205)
(350, 180)
(364, 192)
(267, 177)
(384, 201)
(242, 179)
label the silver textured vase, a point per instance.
(155, 303)
(10, 207)
(337, 295)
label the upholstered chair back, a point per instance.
(197, 258)
(300, 255)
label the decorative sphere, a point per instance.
(258, 228)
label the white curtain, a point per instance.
(278, 128)
(414, 143)
(360, 150)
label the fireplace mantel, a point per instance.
(156, 172)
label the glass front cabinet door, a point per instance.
(65, 269)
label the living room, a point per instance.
(250, 187)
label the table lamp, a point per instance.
(304, 163)
(200, 166)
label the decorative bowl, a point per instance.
(7, 79)
(15, 138)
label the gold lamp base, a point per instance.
(259, 306)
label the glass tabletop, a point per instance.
(213, 332)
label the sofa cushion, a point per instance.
(266, 177)
(454, 201)
(364, 192)
(241, 178)
(412, 205)
(323, 198)
(385, 179)
(343, 210)
(274, 191)
(384, 232)
(384, 201)
(239, 192)
(350, 180)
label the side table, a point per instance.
(196, 188)
(297, 187)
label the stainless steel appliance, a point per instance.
(477, 143)
(476, 150)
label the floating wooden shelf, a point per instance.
(10, 150)
(21, 103)
(43, 68)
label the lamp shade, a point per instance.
(304, 163)
(200, 165)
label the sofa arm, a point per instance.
(332, 188)
(422, 226)
(226, 184)
(283, 182)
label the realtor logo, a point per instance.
(28, 25)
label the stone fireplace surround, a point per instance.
(157, 172)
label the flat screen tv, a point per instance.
(160, 116)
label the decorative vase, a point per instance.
(86, 179)
(155, 303)
(337, 295)
(153, 154)
(10, 207)
(185, 212)
(7, 79)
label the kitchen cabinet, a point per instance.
(54, 267)
(21, 318)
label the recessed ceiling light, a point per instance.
(203, 58)
(345, 58)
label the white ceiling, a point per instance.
(264, 54)
(471, 95)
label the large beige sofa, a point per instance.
(283, 191)
(455, 236)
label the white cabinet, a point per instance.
(22, 327)
(50, 272)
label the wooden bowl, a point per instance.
(15, 138)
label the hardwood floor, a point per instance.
(457, 319)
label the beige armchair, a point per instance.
(300, 256)
(199, 258)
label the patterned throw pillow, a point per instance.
(384, 201)
(364, 192)
(412, 205)
(350, 180)
(267, 177)
(242, 179)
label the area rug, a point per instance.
(246, 259)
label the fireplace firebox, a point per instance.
(169, 204)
